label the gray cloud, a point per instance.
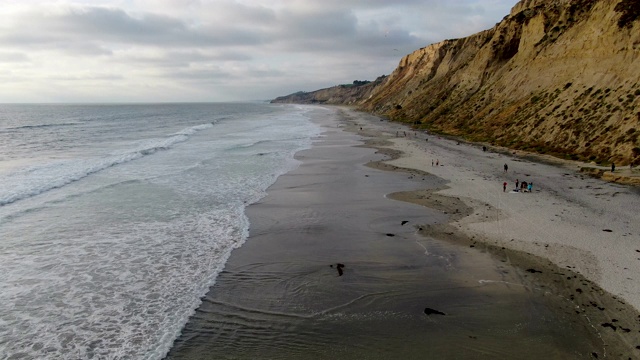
(213, 75)
(13, 57)
(93, 77)
(184, 58)
(218, 46)
(322, 24)
(90, 25)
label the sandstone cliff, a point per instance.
(337, 95)
(554, 76)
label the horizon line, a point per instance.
(133, 102)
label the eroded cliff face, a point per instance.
(350, 94)
(554, 76)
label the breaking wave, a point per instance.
(36, 180)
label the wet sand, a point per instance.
(282, 296)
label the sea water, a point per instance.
(116, 219)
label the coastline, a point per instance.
(281, 293)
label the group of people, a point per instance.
(520, 186)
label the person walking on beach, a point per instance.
(517, 183)
(529, 187)
(506, 167)
(504, 187)
(613, 167)
(437, 162)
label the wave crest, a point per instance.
(36, 180)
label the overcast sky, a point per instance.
(215, 50)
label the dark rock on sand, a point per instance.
(607, 230)
(430, 311)
(404, 222)
(609, 325)
(339, 267)
(391, 235)
(533, 271)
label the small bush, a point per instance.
(629, 12)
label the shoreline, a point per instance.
(612, 311)
(335, 267)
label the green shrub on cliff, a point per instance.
(629, 12)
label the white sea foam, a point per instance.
(116, 293)
(114, 265)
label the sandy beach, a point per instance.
(577, 222)
(571, 220)
(334, 267)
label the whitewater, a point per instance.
(115, 219)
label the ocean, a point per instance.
(115, 220)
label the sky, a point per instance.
(215, 50)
